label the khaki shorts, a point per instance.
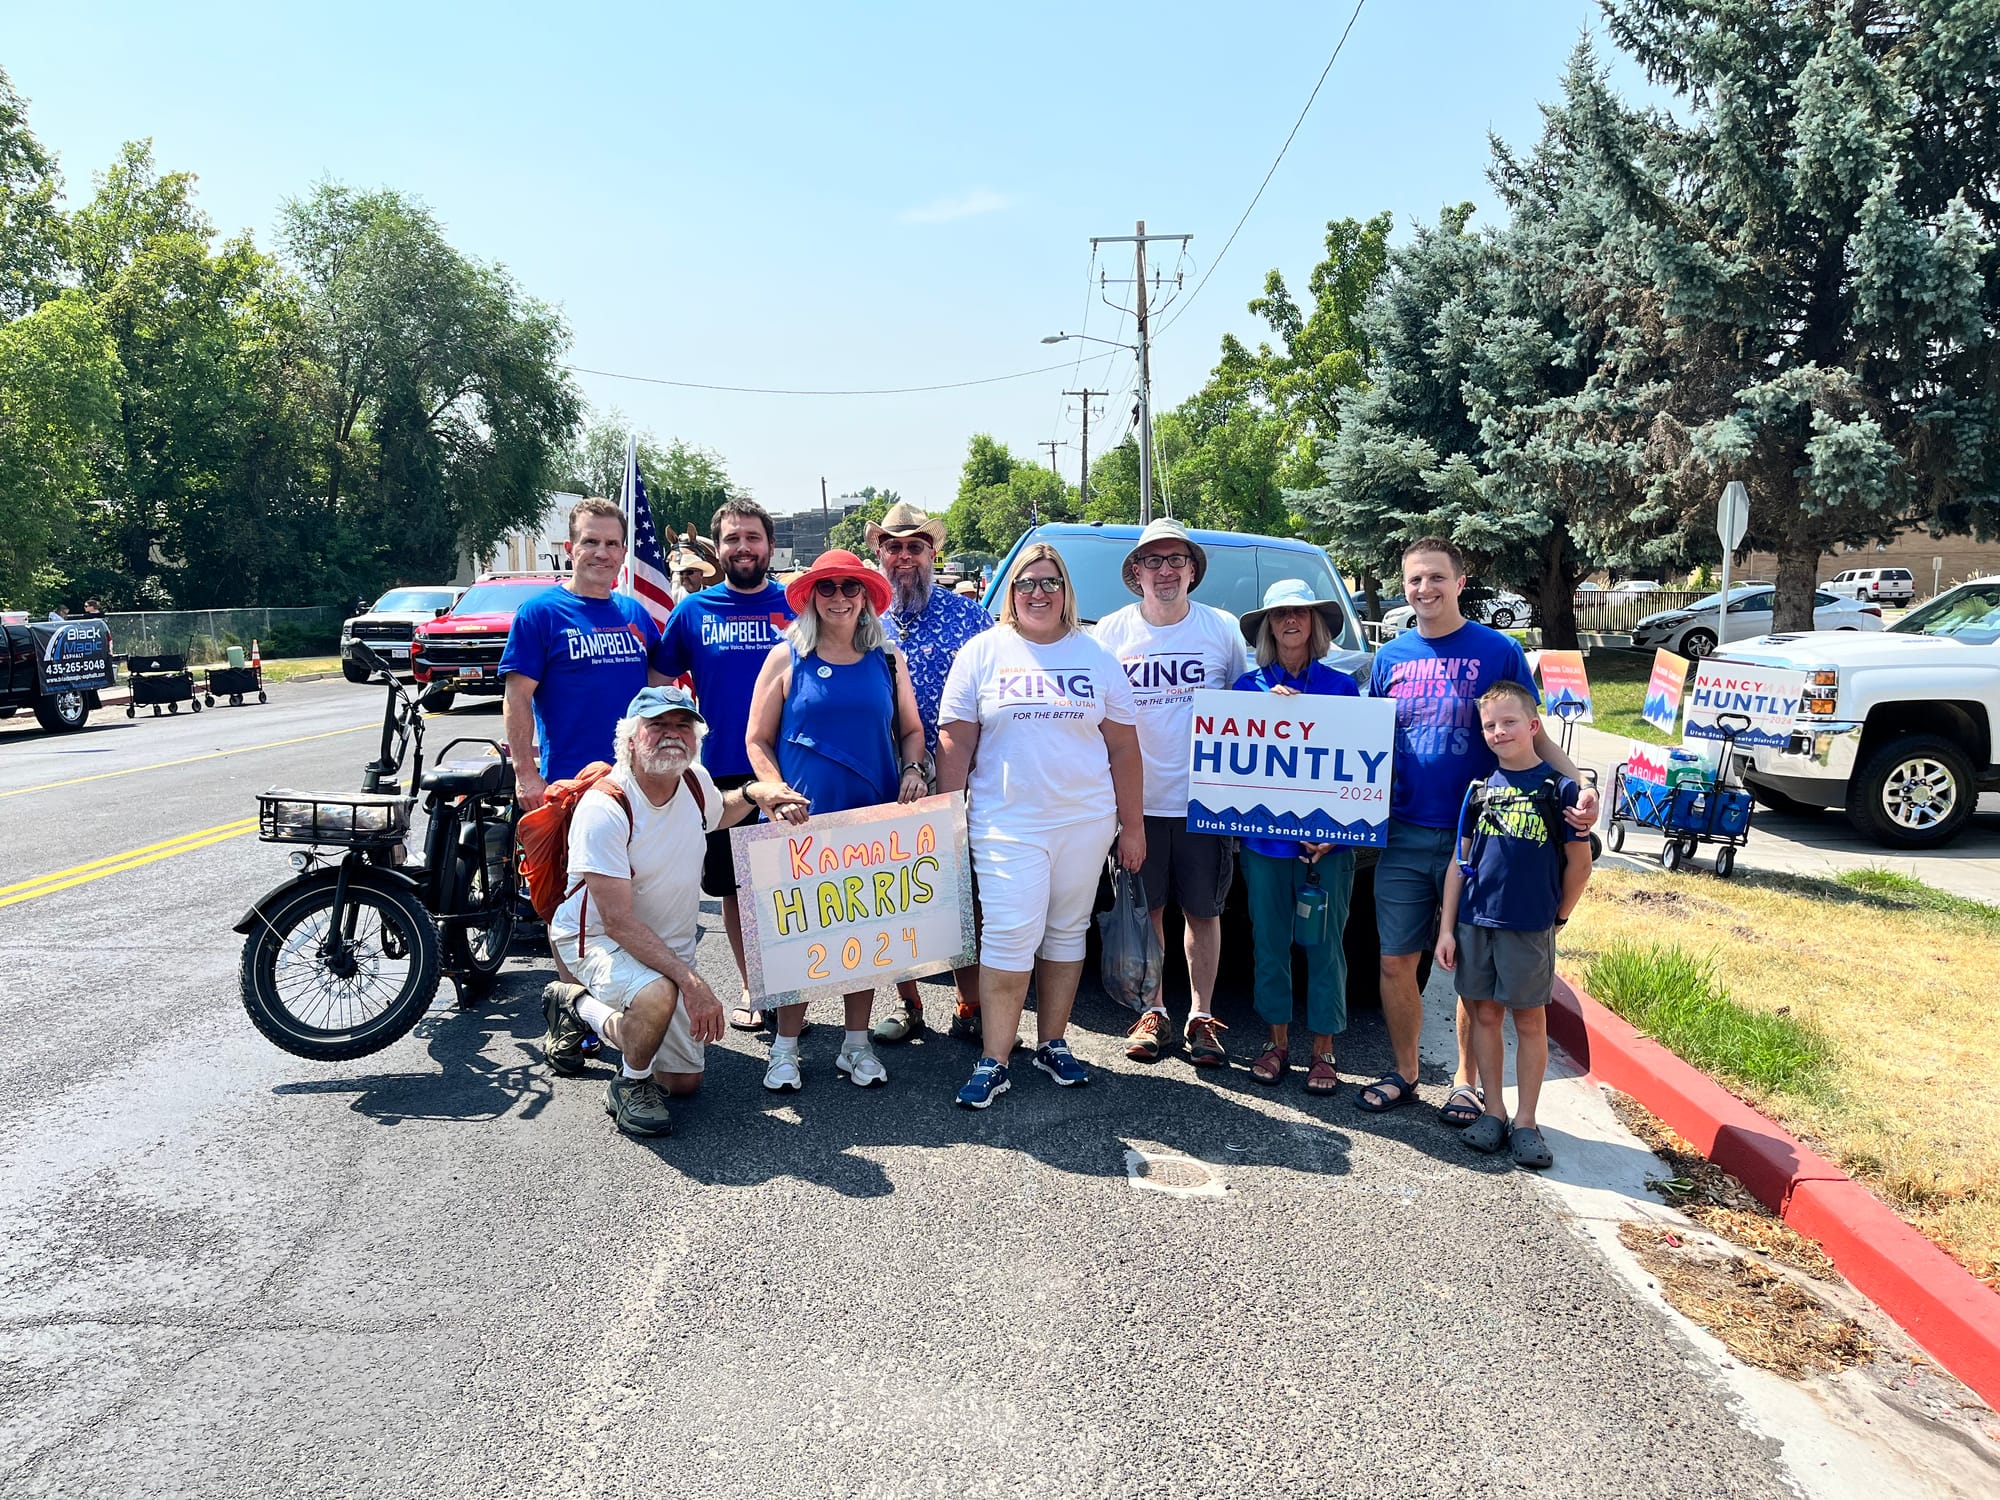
(616, 977)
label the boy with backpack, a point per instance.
(1519, 873)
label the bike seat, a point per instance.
(474, 778)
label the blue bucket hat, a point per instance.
(1293, 593)
(651, 702)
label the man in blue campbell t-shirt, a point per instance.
(576, 655)
(1435, 673)
(720, 637)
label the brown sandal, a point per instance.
(1322, 1077)
(1271, 1065)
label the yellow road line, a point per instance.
(132, 859)
(49, 786)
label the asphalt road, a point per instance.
(438, 1271)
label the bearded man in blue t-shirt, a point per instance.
(1436, 673)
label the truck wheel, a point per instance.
(1915, 792)
(1778, 802)
(1697, 643)
(61, 712)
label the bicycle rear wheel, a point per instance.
(477, 945)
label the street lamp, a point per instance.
(1145, 414)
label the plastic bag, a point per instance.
(1134, 962)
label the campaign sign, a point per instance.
(1308, 767)
(1725, 693)
(72, 655)
(1646, 762)
(1564, 683)
(1663, 692)
(847, 901)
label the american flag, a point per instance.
(645, 575)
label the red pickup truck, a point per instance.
(460, 651)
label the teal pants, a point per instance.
(1273, 885)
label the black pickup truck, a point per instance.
(54, 667)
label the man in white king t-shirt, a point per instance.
(1170, 646)
(628, 926)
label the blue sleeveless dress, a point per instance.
(837, 739)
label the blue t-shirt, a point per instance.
(720, 638)
(1436, 685)
(587, 658)
(1517, 858)
(1318, 678)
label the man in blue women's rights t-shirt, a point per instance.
(720, 637)
(576, 656)
(1435, 673)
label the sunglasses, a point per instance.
(1042, 585)
(847, 588)
(897, 549)
(1152, 562)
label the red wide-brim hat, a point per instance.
(838, 564)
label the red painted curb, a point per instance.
(1932, 1297)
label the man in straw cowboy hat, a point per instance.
(695, 564)
(1170, 646)
(930, 624)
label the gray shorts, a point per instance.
(1192, 870)
(1409, 886)
(1516, 968)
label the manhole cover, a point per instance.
(1180, 1176)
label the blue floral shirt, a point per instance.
(929, 639)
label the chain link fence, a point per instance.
(204, 636)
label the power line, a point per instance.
(761, 390)
(1337, 46)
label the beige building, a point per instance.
(1962, 557)
(533, 549)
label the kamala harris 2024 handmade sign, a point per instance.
(846, 901)
(1304, 767)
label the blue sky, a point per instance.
(825, 196)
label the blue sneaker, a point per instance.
(988, 1082)
(1056, 1060)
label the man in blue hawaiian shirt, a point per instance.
(930, 624)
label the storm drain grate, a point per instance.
(1177, 1176)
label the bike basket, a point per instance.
(359, 818)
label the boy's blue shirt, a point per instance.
(1516, 873)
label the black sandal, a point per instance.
(1405, 1092)
(1462, 1106)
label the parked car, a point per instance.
(391, 625)
(1692, 632)
(460, 650)
(1899, 729)
(1503, 609)
(54, 668)
(1891, 586)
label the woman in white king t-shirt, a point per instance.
(1036, 727)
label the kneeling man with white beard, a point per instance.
(628, 928)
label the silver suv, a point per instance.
(389, 626)
(1893, 586)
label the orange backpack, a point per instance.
(542, 836)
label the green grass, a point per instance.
(1676, 998)
(1907, 893)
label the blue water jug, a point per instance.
(1309, 920)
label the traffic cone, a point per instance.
(256, 656)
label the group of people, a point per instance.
(858, 685)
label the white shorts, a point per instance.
(1036, 891)
(616, 977)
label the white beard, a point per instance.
(666, 761)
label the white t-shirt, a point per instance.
(1041, 761)
(1165, 664)
(661, 857)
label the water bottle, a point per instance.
(1309, 921)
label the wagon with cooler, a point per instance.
(1690, 809)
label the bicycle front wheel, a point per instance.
(331, 992)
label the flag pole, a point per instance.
(627, 502)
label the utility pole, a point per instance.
(1052, 445)
(1139, 241)
(1084, 487)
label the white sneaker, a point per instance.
(782, 1075)
(862, 1066)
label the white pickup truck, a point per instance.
(1901, 728)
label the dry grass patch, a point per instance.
(1901, 994)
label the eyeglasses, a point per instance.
(847, 588)
(898, 548)
(1044, 585)
(1152, 562)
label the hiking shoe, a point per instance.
(563, 1046)
(862, 1067)
(782, 1074)
(988, 1082)
(1056, 1060)
(637, 1106)
(966, 1025)
(1204, 1040)
(902, 1023)
(1148, 1039)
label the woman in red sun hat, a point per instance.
(834, 718)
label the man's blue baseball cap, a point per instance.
(667, 699)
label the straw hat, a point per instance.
(697, 552)
(1293, 593)
(838, 564)
(1164, 530)
(904, 519)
